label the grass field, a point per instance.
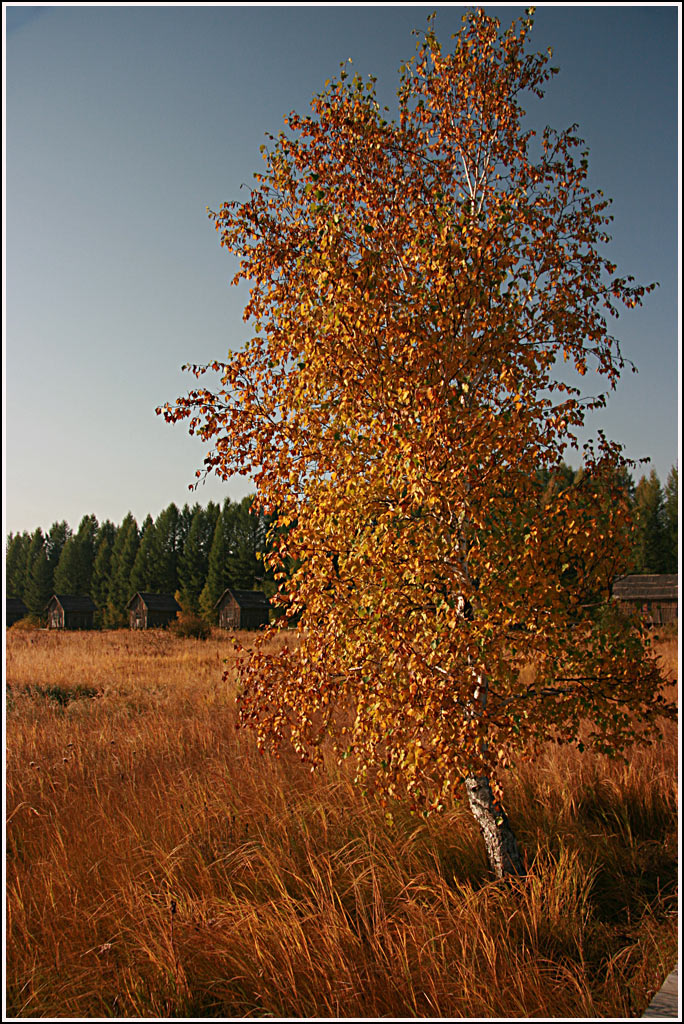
(158, 865)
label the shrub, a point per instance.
(29, 622)
(189, 624)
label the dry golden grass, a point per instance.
(157, 865)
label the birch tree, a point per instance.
(428, 296)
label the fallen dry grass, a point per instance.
(157, 865)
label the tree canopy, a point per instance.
(429, 295)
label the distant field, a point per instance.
(158, 865)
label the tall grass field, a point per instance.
(159, 866)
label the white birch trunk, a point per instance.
(501, 845)
(499, 839)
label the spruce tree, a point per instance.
(143, 573)
(123, 558)
(69, 577)
(218, 576)
(248, 539)
(54, 543)
(36, 546)
(185, 517)
(100, 582)
(39, 586)
(86, 536)
(74, 569)
(651, 546)
(165, 550)
(16, 558)
(194, 562)
(672, 520)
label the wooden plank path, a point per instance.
(664, 1004)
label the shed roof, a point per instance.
(156, 602)
(245, 598)
(73, 602)
(637, 587)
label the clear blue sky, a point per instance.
(124, 123)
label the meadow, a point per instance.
(159, 865)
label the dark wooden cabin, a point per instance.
(654, 597)
(15, 609)
(148, 611)
(242, 609)
(69, 611)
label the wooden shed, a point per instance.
(242, 609)
(655, 598)
(147, 611)
(15, 609)
(68, 611)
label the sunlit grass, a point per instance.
(158, 865)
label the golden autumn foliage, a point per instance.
(427, 295)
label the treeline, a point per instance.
(198, 552)
(194, 552)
